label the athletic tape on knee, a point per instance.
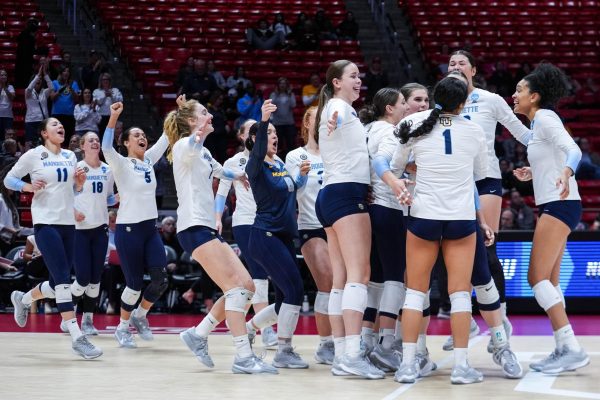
(63, 293)
(322, 303)
(47, 291)
(546, 295)
(92, 290)
(129, 297)
(287, 320)
(159, 281)
(355, 297)
(460, 302)
(335, 301)
(488, 297)
(261, 291)
(374, 293)
(391, 300)
(77, 290)
(237, 298)
(414, 300)
(265, 317)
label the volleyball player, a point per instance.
(138, 243)
(442, 213)
(313, 239)
(553, 156)
(242, 220)
(55, 179)
(342, 210)
(194, 169)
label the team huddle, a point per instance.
(372, 204)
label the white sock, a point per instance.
(27, 299)
(386, 338)
(398, 330)
(562, 295)
(566, 337)
(460, 357)
(409, 350)
(73, 329)
(352, 346)
(206, 326)
(499, 337)
(422, 343)
(324, 339)
(140, 312)
(88, 315)
(366, 335)
(503, 308)
(339, 345)
(123, 325)
(242, 346)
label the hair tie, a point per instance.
(438, 107)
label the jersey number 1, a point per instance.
(62, 174)
(448, 141)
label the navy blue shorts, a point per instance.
(389, 239)
(491, 186)
(241, 234)
(340, 200)
(568, 211)
(434, 230)
(307, 234)
(195, 236)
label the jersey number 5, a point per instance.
(147, 177)
(448, 141)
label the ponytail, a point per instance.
(324, 96)
(176, 124)
(404, 132)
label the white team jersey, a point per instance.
(136, 182)
(92, 201)
(52, 205)
(245, 206)
(194, 169)
(447, 158)
(344, 151)
(486, 109)
(382, 143)
(547, 154)
(307, 194)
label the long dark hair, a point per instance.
(252, 131)
(383, 98)
(448, 94)
(550, 82)
(10, 204)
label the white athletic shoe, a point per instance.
(252, 365)
(336, 370)
(388, 360)
(426, 366)
(21, 310)
(198, 345)
(87, 327)
(288, 358)
(125, 338)
(325, 353)
(85, 349)
(508, 361)
(360, 366)
(465, 375)
(407, 373)
(507, 328)
(567, 360)
(269, 337)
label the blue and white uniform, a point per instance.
(551, 150)
(138, 243)
(447, 159)
(52, 212)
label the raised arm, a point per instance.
(259, 151)
(107, 141)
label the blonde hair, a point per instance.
(304, 133)
(176, 124)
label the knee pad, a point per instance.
(92, 290)
(46, 290)
(355, 297)
(287, 319)
(561, 294)
(391, 300)
(414, 300)
(322, 303)
(460, 302)
(546, 295)
(129, 298)
(335, 301)
(427, 304)
(77, 290)
(237, 298)
(63, 293)
(159, 282)
(487, 296)
(374, 293)
(266, 317)
(261, 292)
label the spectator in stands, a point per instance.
(90, 73)
(596, 224)
(324, 26)
(375, 78)
(7, 95)
(160, 167)
(306, 37)
(279, 25)
(64, 97)
(249, 105)
(524, 70)
(310, 92)
(75, 146)
(589, 166)
(283, 117)
(263, 37)
(217, 76)
(525, 218)
(112, 226)
(444, 55)
(10, 152)
(36, 100)
(86, 114)
(237, 80)
(502, 80)
(185, 71)
(216, 142)
(105, 95)
(64, 63)
(25, 52)
(200, 84)
(168, 234)
(9, 215)
(506, 169)
(301, 19)
(348, 28)
(118, 132)
(507, 219)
